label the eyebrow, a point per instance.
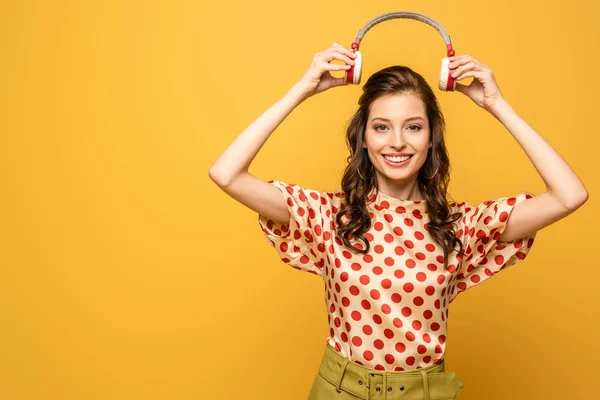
(407, 119)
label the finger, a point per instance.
(339, 46)
(463, 68)
(456, 61)
(474, 74)
(338, 55)
(341, 49)
(461, 88)
(324, 65)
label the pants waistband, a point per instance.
(429, 383)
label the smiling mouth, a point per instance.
(397, 162)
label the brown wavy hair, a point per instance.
(433, 185)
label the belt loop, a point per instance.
(384, 389)
(425, 385)
(342, 371)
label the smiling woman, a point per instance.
(392, 250)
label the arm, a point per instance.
(230, 171)
(236, 159)
(565, 192)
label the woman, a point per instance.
(392, 250)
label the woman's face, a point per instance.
(397, 124)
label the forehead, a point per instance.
(398, 106)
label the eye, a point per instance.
(418, 128)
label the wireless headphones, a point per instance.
(446, 82)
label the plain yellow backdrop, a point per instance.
(126, 273)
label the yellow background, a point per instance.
(126, 273)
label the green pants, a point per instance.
(341, 379)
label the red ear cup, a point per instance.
(446, 82)
(354, 73)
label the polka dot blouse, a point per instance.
(388, 309)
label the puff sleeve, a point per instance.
(301, 243)
(485, 256)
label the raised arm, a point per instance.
(230, 171)
(565, 192)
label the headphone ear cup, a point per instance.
(446, 82)
(353, 74)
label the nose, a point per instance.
(397, 139)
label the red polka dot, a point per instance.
(355, 266)
(396, 298)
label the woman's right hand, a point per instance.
(317, 78)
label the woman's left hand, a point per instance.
(483, 90)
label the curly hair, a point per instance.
(359, 178)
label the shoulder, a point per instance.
(314, 197)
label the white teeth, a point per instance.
(397, 159)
